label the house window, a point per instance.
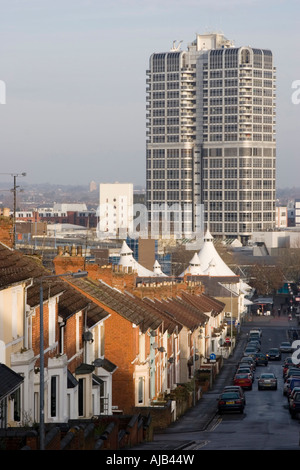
(52, 323)
(53, 396)
(103, 399)
(141, 390)
(61, 337)
(3, 413)
(17, 405)
(81, 395)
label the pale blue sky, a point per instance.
(75, 74)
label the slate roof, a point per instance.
(9, 381)
(16, 267)
(72, 301)
(171, 324)
(215, 286)
(122, 304)
(185, 309)
(186, 314)
(105, 364)
(204, 303)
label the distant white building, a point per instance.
(115, 209)
(297, 212)
(67, 207)
(281, 217)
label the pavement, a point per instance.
(199, 417)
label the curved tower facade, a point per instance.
(211, 141)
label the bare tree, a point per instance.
(289, 261)
(266, 279)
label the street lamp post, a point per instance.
(14, 190)
(231, 316)
(42, 361)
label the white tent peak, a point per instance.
(157, 269)
(194, 267)
(208, 236)
(125, 250)
(127, 260)
(211, 261)
(195, 261)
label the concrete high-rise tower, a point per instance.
(211, 137)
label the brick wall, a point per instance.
(123, 281)
(70, 343)
(121, 348)
(36, 334)
(6, 231)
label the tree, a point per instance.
(289, 262)
(266, 279)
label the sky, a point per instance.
(73, 76)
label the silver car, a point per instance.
(249, 351)
(267, 380)
(285, 347)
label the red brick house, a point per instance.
(73, 336)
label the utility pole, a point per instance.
(14, 190)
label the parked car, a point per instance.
(254, 343)
(274, 354)
(292, 372)
(246, 370)
(261, 359)
(295, 390)
(250, 351)
(237, 389)
(230, 401)
(292, 383)
(256, 331)
(267, 380)
(243, 380)
(285, 386)
(250, 365)
(285, 347)
(248, 360)
(294, 405)
(288, 362)
(253, 336)
(287, 367)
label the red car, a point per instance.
(243, 380)
(288, 363)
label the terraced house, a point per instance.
(113, 341)
(69, 392)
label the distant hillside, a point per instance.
(286, 194)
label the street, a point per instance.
(265, 424)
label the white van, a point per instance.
(257, 331)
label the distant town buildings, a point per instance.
(76, 214)
(211, 137)
(297, 212)
(93, 186)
